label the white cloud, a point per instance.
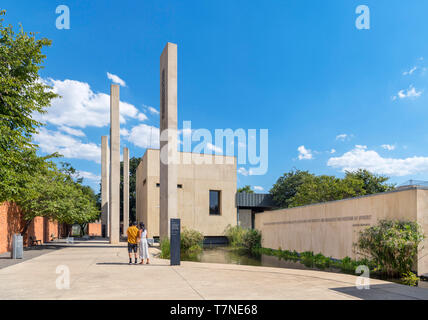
(304, 154)
(116, 79)
(408, 93)
(152, 110)
(89, 176)
(342, 137)
(141, 117)
(70, 147)
(388, 147)
(73, 132)
(258, 188)
(214, 148)
(406, 73)
(360, 157)
(333, 151)
(243, 171)
(144, 136)
(124, 132)
(81, 107)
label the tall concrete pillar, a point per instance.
(125, 190)
(114, 165)
(105, 164)
(168, 138)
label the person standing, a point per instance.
(132, 233)
(144, 246)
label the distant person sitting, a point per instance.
(132, 233)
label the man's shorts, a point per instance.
(132, 247)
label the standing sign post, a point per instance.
(17, 247)
(175, 242)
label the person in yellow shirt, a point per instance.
(132, 233)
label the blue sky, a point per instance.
(332, 97)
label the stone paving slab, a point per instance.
(103, 273)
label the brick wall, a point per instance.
(11, 222)
(94, 229)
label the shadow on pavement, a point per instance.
(126, 263)
(385, 292)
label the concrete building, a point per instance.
(205, 192)
(331, 228)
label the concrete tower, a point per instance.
(105, 164)
(168, 138)
(114, 165)
(125, 190)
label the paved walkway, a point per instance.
(102, 272)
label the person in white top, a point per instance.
(144, 246)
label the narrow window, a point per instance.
(214, 202)
(158, 185)
(144, 182)
(179, 186)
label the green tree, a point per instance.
(246, 189)
(287, 185)
(57, 196)
(371, 183)
(325, 188)
(22, 95)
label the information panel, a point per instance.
(175, 242)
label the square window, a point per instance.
(214, 202)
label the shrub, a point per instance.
(235, 235)
(252, 240)
(410, 279)
(307, 258)
(248, 239)
(392, 244)
(191, 241)
(191, 244)
(321, 261)
(165, 249)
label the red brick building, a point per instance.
(41, 228)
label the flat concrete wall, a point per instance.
(193, 198)
(332, 228)
(245, 217)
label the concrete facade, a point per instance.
(125, 190)
(105, 175)
(168, 138)
(114, 206)
(194, 182)
(245, 218)
(332, 228)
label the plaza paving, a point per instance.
(98, 271)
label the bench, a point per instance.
(35, 242)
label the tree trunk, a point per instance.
(82, 229)
(25, 229)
